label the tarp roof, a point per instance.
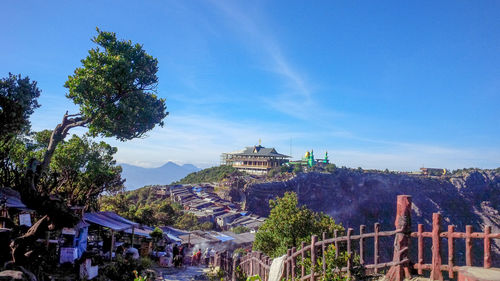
(13, 198)
(109, 220)
(144, 231)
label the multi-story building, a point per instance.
(256, 160)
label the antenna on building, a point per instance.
(291, 147)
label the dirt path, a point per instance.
(185, 274)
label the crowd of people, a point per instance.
(181, 258)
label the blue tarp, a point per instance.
(113, 221)
(223, 238)
(12, 197)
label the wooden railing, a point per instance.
(437, 235)
(256, 263)
(225, 262)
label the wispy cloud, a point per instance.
(297, 91)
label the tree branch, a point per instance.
(58, 135)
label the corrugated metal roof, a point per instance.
(12, 197)
(109, 220)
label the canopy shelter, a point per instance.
(112, 221)
(12, 199)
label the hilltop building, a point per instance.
(256, 160)
(433, 171)
(309, 161)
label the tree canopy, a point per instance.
(290, 224)
(116, 89)
(18, 100)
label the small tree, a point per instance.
(156, 235)
(290, 224)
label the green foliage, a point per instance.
(122, 269)
(285, 169)
(143, 206)
(187, 221)
(331, 168)
(85, 169)
(18, 100)
(213, 174)
(297, 169)
(333, 264)
(115, 89)
(156, 234)
(240, 229)
(289, 224)
(216, 274)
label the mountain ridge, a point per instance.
(167, 173)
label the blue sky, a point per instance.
(379, 84)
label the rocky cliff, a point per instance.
(353, 198)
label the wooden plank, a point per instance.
(314, 239)
(289, 268)
(323, 253)
(420, 249)
(302, 268)
(402, 223)
(376, 228)
(361, 244)
(436, 248)
(468, 245)
(451, 249)
(335, 233)
(349, 252)
(487, 247)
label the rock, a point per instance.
(353, 198)
(11, 275)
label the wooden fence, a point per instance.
(399, 268)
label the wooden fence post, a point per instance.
(294, 250)
(302, 269)
(399, 271)
(349, 252)
(361, 244)
(336, 235)
(314, 239)
(451, 251)
(288, 263)
(251, 263)
(259, 266)
(420, 248)
(323, 252)
(487, 247)
(236, 261)
(376, 228)
(436, 248)
(468, 245)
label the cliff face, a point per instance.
(354, 198)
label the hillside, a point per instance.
(138, 176)
(354, 197)
(213, 174)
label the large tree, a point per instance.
(115, 89)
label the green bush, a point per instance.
(240, 229)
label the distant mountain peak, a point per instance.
(169, 172)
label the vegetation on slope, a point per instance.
(145, 206)
(213, 174)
